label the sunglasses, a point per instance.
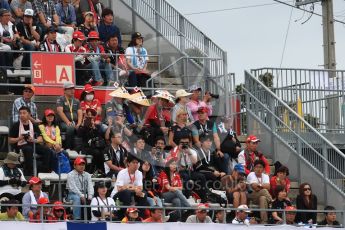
(307, 189)
(184, 143)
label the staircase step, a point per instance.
(167, 81)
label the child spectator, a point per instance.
(280, 179)
(137, 59)
(97, 61)
(330, 217)
(32, 197)
(132, 215)
(88, 24)
(200, 215)
(249, 155)
(104, 209)
(12, 213)
(46, 215)
(79, 59)
(235, 186)
(79, 186)
(59, 212)
(25, 100)
(281, 202)
(194, 102)
(181, 103)
(49, 44)
(260, 185)
(306, 200)
(106, 27)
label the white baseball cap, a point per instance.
(29, 12)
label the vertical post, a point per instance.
(182, 33)
(206, 61)
(299, 151)
(228, 86)
(325, 172)
(134, 9)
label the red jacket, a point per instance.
(253, 157)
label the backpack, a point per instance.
(219, 197)
(63, 161)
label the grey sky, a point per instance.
(254, 37)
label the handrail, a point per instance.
(276, 68)
(287, 107)
(180, 33)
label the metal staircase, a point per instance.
(304, 142)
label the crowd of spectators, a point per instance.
(166, 149)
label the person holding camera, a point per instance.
(93, 140)
(103, 211)
(159, 154)
(192, 180)
(194, 103)
(11, 178)
(26, 136)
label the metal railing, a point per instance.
(304, 140)
(167, 21)
(321, 94)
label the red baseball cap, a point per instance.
(132, 209)
(58, 205)
(252, 138)
(290, 208)
(203, 109)
(79, 160)
(35, 180)
(48, 112)
(88, 88)
(78, 35)
(93, 35)
(43, 200)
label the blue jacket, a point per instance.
(105, 32)
(71, 17)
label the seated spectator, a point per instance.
(88, 101)
(25, 100)
(79, 59)
(29, 35)
(12, 213)
(156, 216)
(139, 150)
(95, 6)
(129, 186)
(45, 14)
(59, 212)
(12, 179)
(150, 184)
(249, 155)
(107, 28)
(230, 145)
(204, 127)
(194, 102)
(235, 186)
(88, 24)
(170, 184)
(242, 216)
(132, 215)
(103, 211)
(281, 202)
(32, 197)
(117, 123)
(280, 179)
(114, 155)
(79, 186)
(290, 215)
(180, 128)
(9, 36)
(157, 118)
(205, 164)
(260, 185)
(181, 103)
(69, 113)
(93, 141)
(116, 55)
(18, 8)
(52, 139)
(137, 59)
(98, 61)
(306, 200)
(49, 44)
(220, 217)
(23, 136)
(46, 215)
(200, 215)
(187, 157)
(159, 154)
(67, 17)
(330, 217)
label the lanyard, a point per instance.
(70, 106)
(81, 182)
(208, 158)
(105, 204)
(131, 178)
(259, 180)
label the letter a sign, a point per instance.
(63, 73)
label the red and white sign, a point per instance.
(50, 71)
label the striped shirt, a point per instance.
(18, 103)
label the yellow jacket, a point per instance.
(47, 139)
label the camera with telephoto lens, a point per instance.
(215, 96)
(26, 135)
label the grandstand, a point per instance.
(286, 110)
